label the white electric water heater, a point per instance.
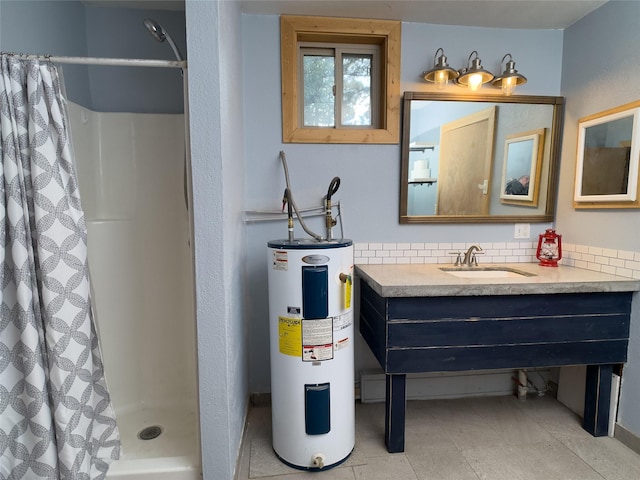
(312, 360)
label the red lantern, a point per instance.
(549, 248)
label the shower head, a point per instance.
(161, 35)
(155, 29)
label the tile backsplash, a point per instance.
(606, 260)
(617, 262)
(397, 253)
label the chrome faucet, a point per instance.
(470, 256)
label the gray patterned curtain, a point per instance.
(56, 417)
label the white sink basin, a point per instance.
(486, 272)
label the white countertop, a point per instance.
(427, 280)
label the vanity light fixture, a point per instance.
(509, 78)
(441, 72)
(473, 75)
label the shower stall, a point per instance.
(132, 175)
(130, 169)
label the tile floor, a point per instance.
(488, 438)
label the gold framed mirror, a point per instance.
(608, 159)
(522, 166)
(453, 157)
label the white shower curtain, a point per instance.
(56, 417)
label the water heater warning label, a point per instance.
(317, 353)
(290, 336)
(342, 321)
(280, 260)
(317, 339)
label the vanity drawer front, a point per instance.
(506, 306)
(432, 334)
(450, 359)
(438, 334)
(507, 331)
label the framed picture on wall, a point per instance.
(608, 157)
(523, 156)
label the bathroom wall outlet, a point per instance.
(522, 230)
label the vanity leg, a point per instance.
(395, 404)
(597, 399)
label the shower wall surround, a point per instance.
(130, 169)
(605, 260)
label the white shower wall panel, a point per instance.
(131, 174)
(116, 173)
(84, 131)
(165, 257)
(118, 309)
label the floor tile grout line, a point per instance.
(406, 457)
(588, 464)
(567, 447)
(583, 461)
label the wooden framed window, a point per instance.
(340, 85)
(340, 80)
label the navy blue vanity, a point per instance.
(418, 319)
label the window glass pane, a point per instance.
(356, 90)
(319, 78)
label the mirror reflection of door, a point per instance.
(463, 184)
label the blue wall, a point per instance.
(370, 174)
(119, 32)
(601, 64)
(69, 28)
(55, 28)
(218, 142)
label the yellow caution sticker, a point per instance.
(347, 293)
(290, 336)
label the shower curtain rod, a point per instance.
(122, 62)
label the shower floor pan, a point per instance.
(172, 455)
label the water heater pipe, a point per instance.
(522, 385)
(329, 221)
(287, 199)
(333, 187)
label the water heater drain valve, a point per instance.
(318, 460)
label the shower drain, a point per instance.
(150, 433)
